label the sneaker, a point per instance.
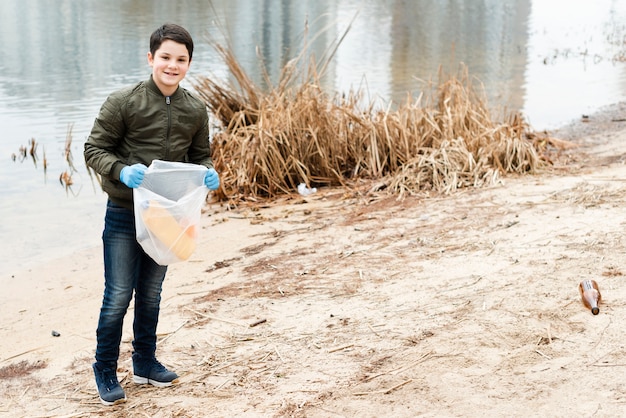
(151, 371)
(109, 387)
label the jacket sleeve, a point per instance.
(200, 150)
(102, 146)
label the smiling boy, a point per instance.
(153, 119)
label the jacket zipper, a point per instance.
(169, 126)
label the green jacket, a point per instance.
(138, 125)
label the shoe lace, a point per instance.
(157, 366)
(109, 378)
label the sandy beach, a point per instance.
(354, 304)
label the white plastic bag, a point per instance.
(167, 208)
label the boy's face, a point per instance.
(169, 66)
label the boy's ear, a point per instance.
(150, 58)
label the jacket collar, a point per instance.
(152, 86)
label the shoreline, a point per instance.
(607, 118)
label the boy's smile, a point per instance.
(170, 64)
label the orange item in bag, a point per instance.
(177, 238)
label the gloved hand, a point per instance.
(132, 175)
(211, 179)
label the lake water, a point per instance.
(552, 59)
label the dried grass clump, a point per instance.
(21, 369)
(296, 133)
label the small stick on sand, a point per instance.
(259, 322)
(173, 332)
(343, 347)
(279, 356)
(544, 355)
(372, 329)
(21, 354)
(549, 334)
(215, 318)
(384, 391)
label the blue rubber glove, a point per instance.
(211, 179)
(132, 175)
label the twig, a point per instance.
(173, 332)
(549, 334)
(278, 353)
(328, 410)
(399, 385)
(218, 387)
(215, 318)
(191, 293)
(24, 393)
(271, 374)
(259, 322)
(22, 353)
(384, 391)
(415, 363)
(610, 365)
(602, 334)
(465, 285)
(367, 379)
(343, 347)
(372, 329)
(232, 363)
(544, 355)
(263, 357)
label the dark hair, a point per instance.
(174, 33)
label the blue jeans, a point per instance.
(127, 269)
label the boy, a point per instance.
(154, 119)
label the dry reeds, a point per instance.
(296, 133)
